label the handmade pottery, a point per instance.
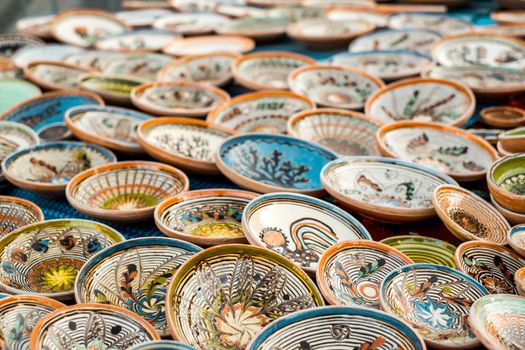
(352, 13)
(124, 191)
(503, 117)
(45, 114)
(435, 300)
(145, 40)
(10, 44)
(295, 13)
(240, 10)
(506, 181)
(141, 18)
(346, 133)
(445, 25)
(502, 151)
(44, 258)
(350, 272)
(15, 136)
(273, 163)
(84, 27)
(385, 189)
(384, 64)
(516, 239)
(422, 99)
(48, 52)
(114, 89)
(47, 168)
(513, 140)
(162, 345)
(90, 59)
(451, 150)
(111, 127)
(423, 249)
(246, 288)
(142, 65)
(208, 44)
(489, 135)
(190, 23)
(145, 4)
(419, 40)
(519, 280)
(54, 75)
(477, 49)
(16, 213)
(92, 326)
(204, 217)
(263, 111)
(508, 17)
(268, 70)
(334, 86)
(14, 91)
(490, 264)
(512, 216)
(39, 26)
(260, 29)
(134, 275)
(468, 216)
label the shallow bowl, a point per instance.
(503, 117)
(419, 40)
(13, 137)
(16, 213)
(114, 89)
(513, 140)
(55, 75)
(506, 182)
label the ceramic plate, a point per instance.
(44, 258)
(115, 89)
(490, 264)
(224, 296)
(333, 86)
(435, 300)
(14, 91)
(48, 52)
(445, 25)
(13, 137)
(295, 13)
(209, 44)
(298, 227)
(134, 275)
(45, 114)
(264, 111)
(259, 28)
(162, 345)
(142, 65)
(204, 217)
(351, 13)
(419, 40)
(54, 75)
(506, 182)
(385, 189)
(136, 41)
(90, 59)
(142, 17)
(424, 249)
(10, 44)
(273, 163)
(16, 213)
(190, 23)
(450, 150)
(516, 239)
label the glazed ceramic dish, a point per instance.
(268, 70)
(519, 280)
(273, 163)
(91, 326)
(453, 151)
(114, 89)
(422, 99)
(506, 182)
(260, 29)
(183, 98)
(134, 275)
(145, 65)
(332, 328)
(15, 91)
(10, 44)
(298, 227)
(385, 189)
(186, 143)
(53, 75)
(89, 59)
(295, 13)
(353, 13)
(46, 169)
(468, 216)
(419, 40)
(48, 52)
(334, 86)
(208, 44)
(145, 40)
(13, 137)
(516, 239)
(490, 264)
(141, 17)
(512, 216)
(44, 258)
(264, 111)
(435, 300)
(16, 213)
(503, 117)
(513, 140)
(246, 289)
(190, 23)
(125, 191)
(445, 25)
(346, 133)
(421, 249)
(111, 127)
(204, 217)
(162, 345)
(350, 272)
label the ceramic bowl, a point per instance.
(347, 133)
(451, 150)
(512, 216)
(421, 249)
(513, 140)
(334, 86)
(246, 288)
(204, 217)
(13, 137)
(142, 17)
(184, 142)
(134, 275)
(519, 280)
(273, 163)
(268, 70)
(468, 216)
(298, 227)
(48, 52)
(10, 44)
(208, 44)
(260, 29)
(506, 181)
(419, 40)
(435, 300)
(490, 264)
(516, 239)
(114, 89)
(338, 326)
(503, 117)
(350, 272)
(15, 91)
(384, 189)
(16, 213)
(423, 99)
(92, 326)
(125, 191)
(145, 40)
(44, 258)
(145, 65)
(89, 59)
(188, 24)
(45, 114)
(19, 315)
(477, 49)
(84, 27)
(46, 169)
(54, 75)
(263, 111)
(162, 345)
(182, 98)
(111, 127)
(443, 24)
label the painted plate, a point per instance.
(115, 89)
(443, 24)
(54, 75)
(142, 65)
(162, 345)
(144, 40)
(516, 239)
(14, 91)
(48, 52)
(142, 17)
(208, 44)
(351, 13)
(419, 40)
(10, 44)
(258, 28)
(13, 137)
(16, 213)
(190, 23)
(90, 59)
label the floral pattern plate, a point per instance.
(445, 25)
(16, 213)
(516, 239)
(54, 75)
(13, 137)
(145, 40)
(142, 65)
(208, 44)
(419, 40)
(14, 91)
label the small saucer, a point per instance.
(208, 44)
(145, 40)
(54, 75)
(114, 89)
(16, 213)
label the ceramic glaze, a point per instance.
(190, 23)
(113, 88)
